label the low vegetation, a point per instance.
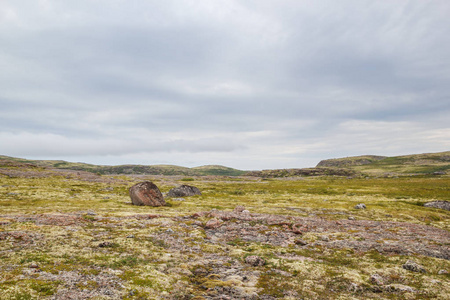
(67, 233)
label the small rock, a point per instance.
(91, 213)
(377, 279)
(324, 238)
(130, 236)
(255, 260)
(197, 223)
(438, 204)
(170, 230)
(33, 265)
(392, 288)
(442, 272)
(213, 223)
(414, 267)
(239, 209)
(184, 191)
(360, 206)
(300, 242)
(245, 211)
(178, 199)
(351, 218)
(105, 244)
(297, 229)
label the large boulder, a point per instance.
(184, 191)
(146, 193)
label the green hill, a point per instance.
(427, 163)
(130, 169)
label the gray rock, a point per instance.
(255, 260)
(239, 209)
(184, 191)
(377, 279)
(438, 204)
(392, 288)
(442, 272)
(414, 267)
(360, 206)
(146, 193)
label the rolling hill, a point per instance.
(426, 163)
(130, 169)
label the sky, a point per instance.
(249, 84)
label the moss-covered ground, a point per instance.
(63, 235)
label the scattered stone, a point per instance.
(377, 279)
(184, 191)
(442, 272)
(352, 218)
(360, 206)
(105, 244)
(146, 193)
(197, 223)
(245, 211)
(91, 213)
(170, 231)
(438, 204)
(239, 209)
(392, 288)
(5, 221)
(178, 199)
(213, 223)
(131, 236)
(33, 265)
(297, 229)
(414, 267)
(440, 173)
(300, 242)
(255, 260)
(324, 238)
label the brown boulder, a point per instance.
(146, 193)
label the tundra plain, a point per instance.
(68, 234)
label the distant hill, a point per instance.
(372, 165)
(131, 169)
(427, 163)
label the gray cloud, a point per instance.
(250, 84)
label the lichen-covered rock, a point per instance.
(239, 209)
(184, 191)
(146, 193)
(377, 279)
(360, 206)
(255, 260)
(438, 204)
(213, 223)
(413, 266)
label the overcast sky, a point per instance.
(250, 84)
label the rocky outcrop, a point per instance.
(146, 193)
(184, 191)
(438, 204)
(303, 172)
(350, 161)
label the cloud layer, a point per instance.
(248, 84)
